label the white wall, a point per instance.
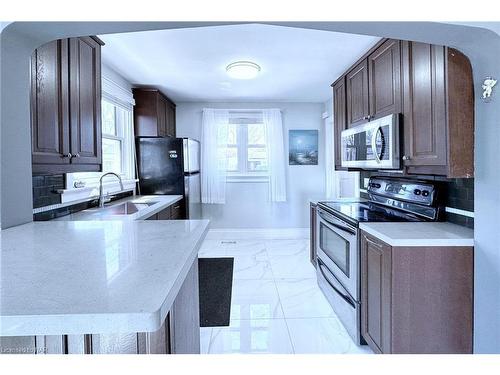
(247, 204)
(114, 76)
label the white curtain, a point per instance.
(213, 155)
(275, 154)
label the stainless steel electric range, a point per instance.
(337, 233)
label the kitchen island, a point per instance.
(110, 286)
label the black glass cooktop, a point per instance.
(366, 211)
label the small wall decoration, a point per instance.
(303, 147)
(487, 86)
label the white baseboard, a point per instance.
(258, 233)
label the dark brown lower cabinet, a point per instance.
(376, 294)
(179, 333)
(157, 342)
(185, 316)
(178, 211)
(165, 214)
(18, 345)
(416, 299)
(312, 234)
(173, 212)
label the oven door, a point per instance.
(346, 308)
(337, 246)
(374, 145)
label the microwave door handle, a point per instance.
(374, 144)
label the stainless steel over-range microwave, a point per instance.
(374, 145)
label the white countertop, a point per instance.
(75, 277)
(420, 234)
(96, 213)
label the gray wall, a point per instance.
(18, 40)
(247, 204)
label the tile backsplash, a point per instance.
(459, 194)
(45, 189)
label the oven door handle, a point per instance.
(339, 292)
(335, 225)
(339, 227)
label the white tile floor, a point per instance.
(277, 306)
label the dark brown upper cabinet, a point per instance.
(358, 108)
(384, 73)
(431, 86)
(416, 300)
(66, 106)
(154, 114)
(85, 93)
(50, 104)
(339, 117)
(171, 119)
(438, 111)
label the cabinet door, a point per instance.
(51, 344)
(49, 104)
(85, 94)
(170, 120)
(178, 211)
(384, 72)
(357, 94)
(376, 293)
(162, 116)
(17, 345)
(339, 118)
(115, 343)
(157, 342)
(146, 112)
(164, 214)
(424, 107)
(185, 316)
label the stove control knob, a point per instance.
(425, 193)
(417, 192)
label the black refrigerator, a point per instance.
(170, 166)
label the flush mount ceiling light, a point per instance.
(243, 70)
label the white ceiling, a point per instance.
(298, 65)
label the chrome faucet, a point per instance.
(101, 196)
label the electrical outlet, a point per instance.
(365, 182)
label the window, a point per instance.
(117, 146)
(113, 138)
(247, 150)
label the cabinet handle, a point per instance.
(406, 157)
(68, 155)
(77, 155)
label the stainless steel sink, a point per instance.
(127, 208)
